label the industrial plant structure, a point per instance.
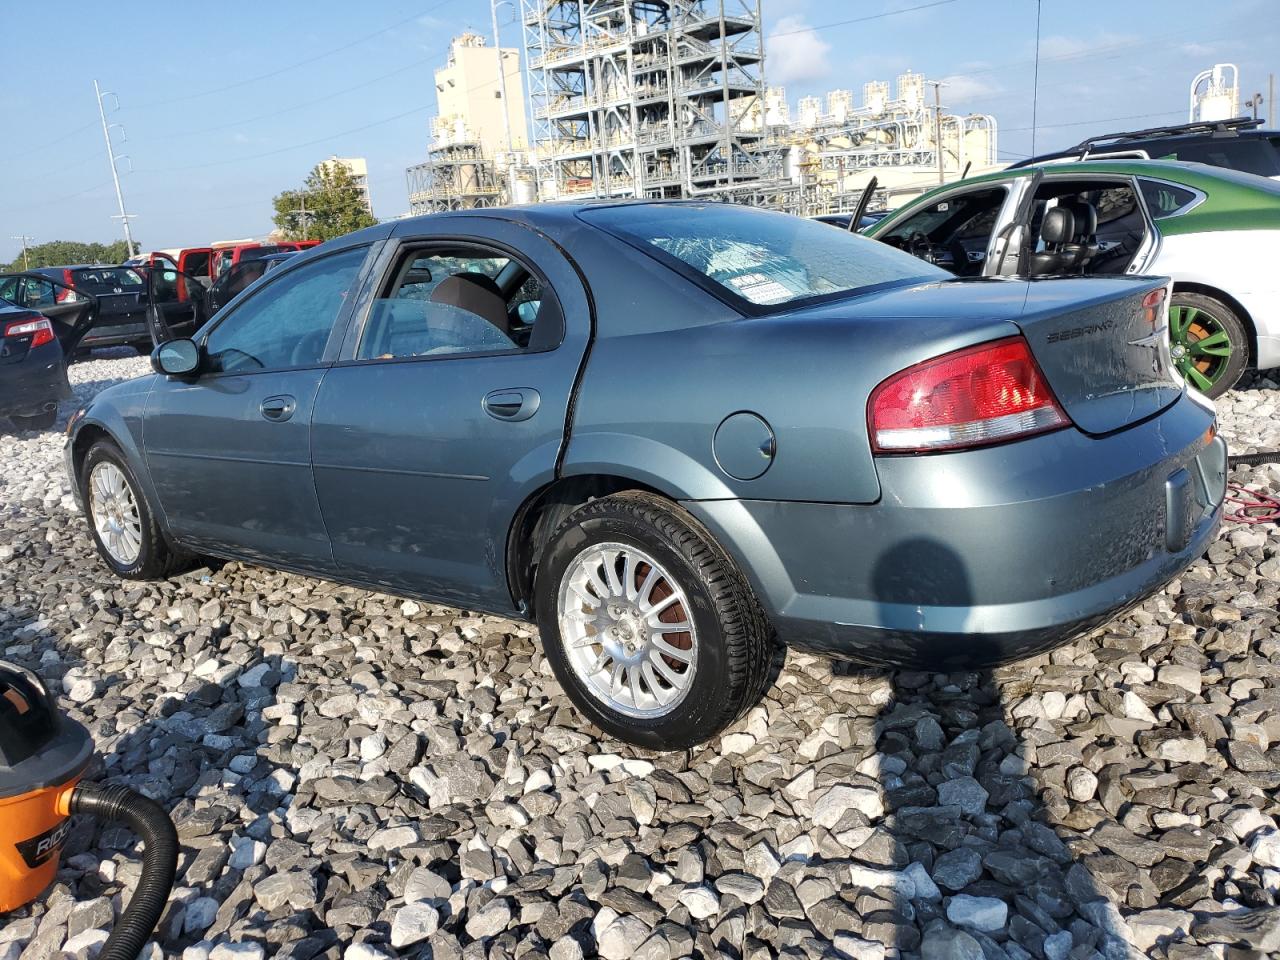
(667, 98)
(478, 133)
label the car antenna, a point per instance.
(967, 167)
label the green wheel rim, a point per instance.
(1200, 345)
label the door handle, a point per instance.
(278, 409)
(512, 403)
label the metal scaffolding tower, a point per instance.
(456, 176)
(646, 98)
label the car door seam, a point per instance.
(571, 407)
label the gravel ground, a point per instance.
(358, 776)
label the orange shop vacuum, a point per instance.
(43, 755)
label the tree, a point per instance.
(329, 204)
(59, 253)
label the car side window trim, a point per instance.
(337, 332)
(384, 272)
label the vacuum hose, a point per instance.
(1254, 459)
(149, 821)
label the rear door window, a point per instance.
(461, 301)
(107, 280)
(1167, 199)
(758, 260)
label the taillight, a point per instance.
(1151, 307)
(40, 331)
(63, 294)
(984, 394)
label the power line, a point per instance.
(26, 151)
(1085, 123)
(867, 19)
(295, 146)
(301, 63)
(201, 131)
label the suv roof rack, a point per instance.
(1217, 127)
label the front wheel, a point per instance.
(120, 519)
(1209, 344)
(650, 628)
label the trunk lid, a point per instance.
(1105, 354)
(1106, 362)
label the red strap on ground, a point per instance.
(1251, 506)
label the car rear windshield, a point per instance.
(758, 260)
(100, 280)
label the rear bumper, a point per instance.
(34, 384)
(1263, 307)
(988, 555)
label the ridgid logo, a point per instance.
(40, 848)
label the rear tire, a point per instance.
(37, 421)
(617, 580)
(121, 521)
(1209, 343)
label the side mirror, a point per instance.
(528, 311)
(176, 358)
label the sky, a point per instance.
(225, 106)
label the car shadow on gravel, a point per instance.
(966, 863)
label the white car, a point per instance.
(1215, 232)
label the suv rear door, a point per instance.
(121, 294)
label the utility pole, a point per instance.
(115, 174)
(26, 263)
(506, 106)
(502, 76)
(302, 212)
(937, 124)
(1271, 99)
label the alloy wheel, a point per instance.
(1199, 344)
(627, 630)
(115, 513)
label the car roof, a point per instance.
(1235, 128)
(556, 212)
(1176, 170)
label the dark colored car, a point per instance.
(672, 433)
(130, 308)
(120, 292)
(234, 280)
(33, 351)
(1236, 144)
(227, 256)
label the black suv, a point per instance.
(1236, 144)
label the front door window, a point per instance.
(953, 232)
(287, 323)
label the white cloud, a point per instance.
(796, 53)
(961, 89)
(1060, 47)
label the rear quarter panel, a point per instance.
(650, 403)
